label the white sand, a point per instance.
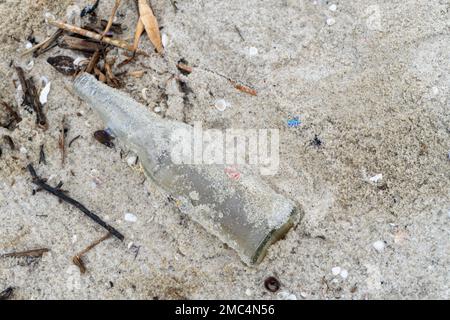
(373, 85)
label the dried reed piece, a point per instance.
(150, 24)
(111, 19)
(92, 35)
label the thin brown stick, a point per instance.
(93, 62)
(111, 18)
(62, 141)
(44, 44)
(78, 258)
(92, 35)
(36, 253)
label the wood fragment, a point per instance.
(92, 35)
(35, 253)
(9, 141)
(62, 141)
(111, 18)
(6, 294)
(93, 62)
(44, 44)
(101, 76)
(244, 89)
(74, 43)
(184, 68)
(78, 258)
(12, 114)
(31, 98)
(42, 159)
(136, 74)
(151, 25)
(56, 192)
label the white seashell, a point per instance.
(44, 93)
(252, 51)
(379, 245)
(80, 61)
(129, 217)
(335, 271)
(221, 105)
(165, 40)
(131, 160)
(331, 21)
(144, 93)
(30, 65)
(376, 178)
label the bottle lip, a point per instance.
(272, 237)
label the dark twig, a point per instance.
(6, 294)
(59, 194)
(42, 156)
(73, 140)
(36, 253)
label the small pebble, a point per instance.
(157, 110)
(23, 150)
(132, 160)
(379, 245)
(331, 21)
(333, 7)
(248, 292)
(221, 105)
(252, 51)
(344, 274)
(129, 217)
(435, 91)
(28, 45)
(376, 178)
(335, 271)
(304, 295)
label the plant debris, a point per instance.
(104, 138)
(31, 98)
(14, 116)
(150, 24)
(36, 253)
(62, 141)
(9, 141)
(6, 294)
(63, 64)
(78, 258)
(75, 43)
(42, 159)
(89, 9)
(59, 194)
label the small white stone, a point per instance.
(331, 21)
(291, 297)
(379, 245)
(157, 110)
(283, 295)
(335, 271)
(344, 274)
(194, 196)
(304, 295)
(248, 292)
(333, 7)
(221, 105)
(376, 178)
(28, 45)
(23, 150)
(435, 91)
(131, 160)
(74, 238)
(129, 217)
(252, 51)
(130, 245)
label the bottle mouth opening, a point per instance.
(273, 237)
